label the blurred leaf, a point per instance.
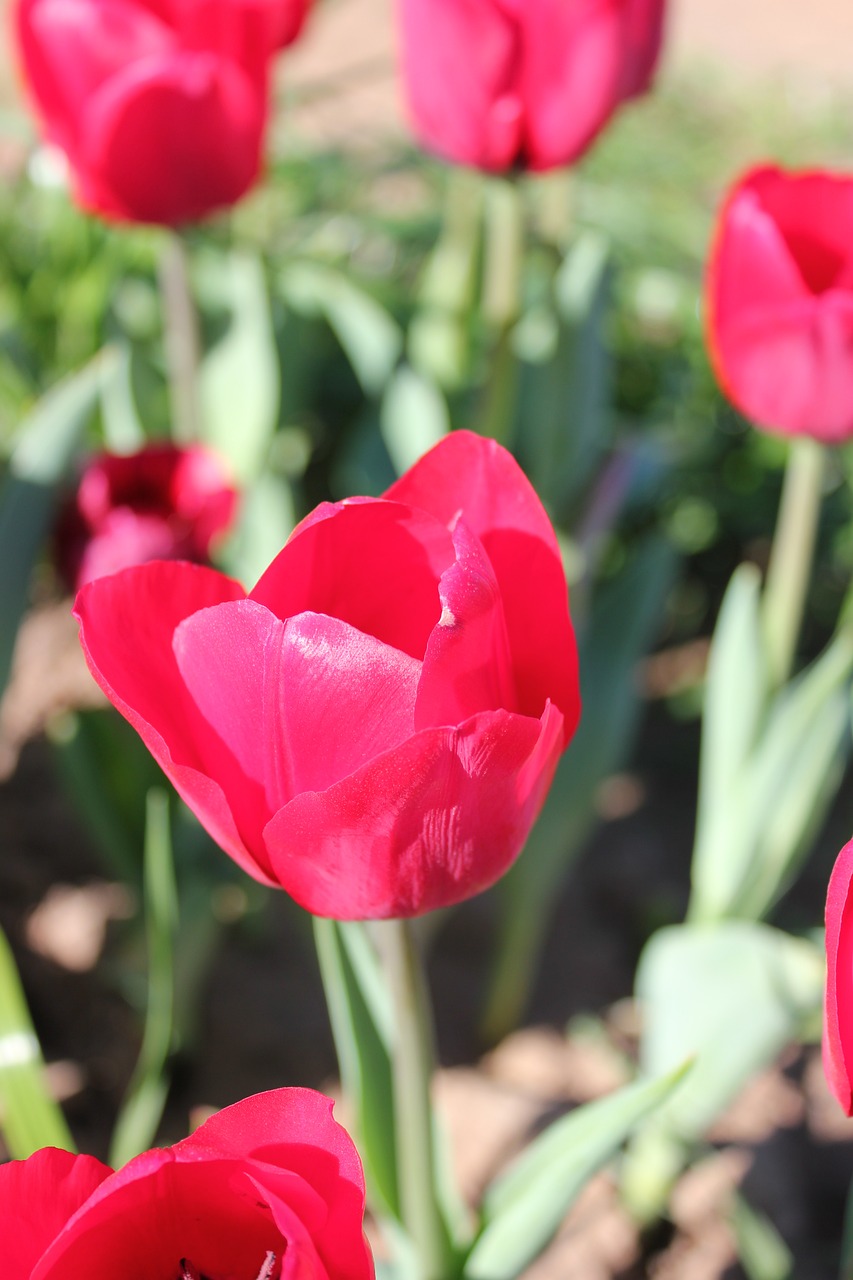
(123, 431)
(763, 1253)
(523, 1209)
(625, 614)
(413, 417)
(29, 1117)
(266, 520)
(142, 1108)
(240, 379)
(368, 334)
(44, 448)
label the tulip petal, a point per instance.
(301, 703)
(428, 824)
(375, 565)
(127, 623)
(467, 666)
(470, 474)
(37, 1198)
(838, 1020)
(173, 138)
(294, 1129)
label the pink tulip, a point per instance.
(271, 1187)
(780, 301)
(498, 83)
(375, 726)
(159, 105)
(838, 1019)
(162, 503)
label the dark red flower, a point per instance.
(374, 728)
(269, 1189)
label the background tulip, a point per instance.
(780, 301)
(162, 503)
(159, 105)
(375, 726)
(496, 84)
(274, 1174)
(838, 1014)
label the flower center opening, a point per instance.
(270, 1269)
(820, 263)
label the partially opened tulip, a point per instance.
(375, 725)
(268, 1189)
(159, 105)
(502, 83)
(780, 301)
(160, 503)
(838, 1011)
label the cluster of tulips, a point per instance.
(375, 725)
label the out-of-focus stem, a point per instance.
(181, 336)
(412, 1066)
(791, 556)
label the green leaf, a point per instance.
(45, 446)
(29, 1117)
(413, 417)
(146, 1097)
(763, 1253)
(267, 519)
(123, 431)
(369, 335)
(524, 1208)
(240, 377)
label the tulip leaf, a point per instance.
(46, 443)
(267, 516)
(123, 431)
(240, 376)
(413, 417)
(523, 1209)
(146, 1097)
(362, 1049)
(29, 1117)
(369, 335)
(763, 1253)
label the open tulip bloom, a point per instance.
(500, 83)
(159, 105)
(780, 301)
(375, 725)
(838, 1013)
(268, 1189)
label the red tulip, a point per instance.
(375, 726)
(160, 105)
(780, 301)
(838, 1013)
(269, 1188)
(160, 503)
(497, 83)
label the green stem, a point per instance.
(791, 556)
(181, 337)
(412, 1067)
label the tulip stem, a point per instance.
(413, 1059)
(181, 337)
(791, 556)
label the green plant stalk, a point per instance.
(181, 339)
(412, 1067)
(503, 255)
(792, 555)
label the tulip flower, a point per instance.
(375, 726)
(494, 84)
(161, 503)
(780, 301)
(159, 105)
(271, 1187)
(838, 1013)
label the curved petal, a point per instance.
(838, 1021)
(470, 474)
(127, 623)
(428, 824)
(300, 704)
(70, 48)
(37, 1198)
(467, 666)
(644, 24)
(172, 139)
(294, 1130)
(372, 564)
(461, 66)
